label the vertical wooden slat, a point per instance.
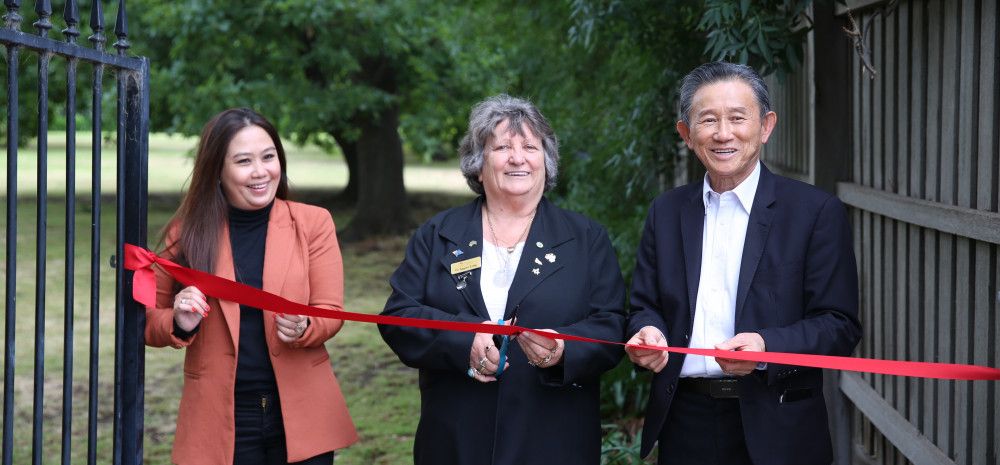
(877, 104)
(994, 357)
(968, 114)
(903, 309)
(930, 268)
(914, 327)
(933, 161)
(946, 433)
(945, 342)
(989, 93)
(985, 444)
(871, 434)
(961, 340)
(919, 392)
(857, 112)
(978, 417)
(949, 105)
(890, 112)
(918, 84)
(878, 258)
(867, 126)
(901, 97)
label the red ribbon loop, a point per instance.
(141, 260)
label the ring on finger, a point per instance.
(471, 373)
(482, 363)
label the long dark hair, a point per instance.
(204, 208)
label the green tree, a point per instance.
(346, 72)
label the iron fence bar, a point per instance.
(57, 47)
(135, 230)
(71, 16)
(44, 10)
(97, 38)
(12, 19)
(132, 168)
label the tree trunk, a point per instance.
(382, 207)
(350, 150)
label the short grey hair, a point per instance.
(517, 112)
(718, 71)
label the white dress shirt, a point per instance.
(726, 218)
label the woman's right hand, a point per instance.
(190, 306)
(484, 357)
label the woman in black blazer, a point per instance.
(509, 256)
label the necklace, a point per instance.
(504, 277)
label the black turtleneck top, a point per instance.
(247, 236)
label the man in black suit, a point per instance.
(743, 260)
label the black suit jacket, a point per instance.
(797, 289)
(531, 415)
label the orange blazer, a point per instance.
(301, 263)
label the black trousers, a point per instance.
(701, 430)
(260, 433)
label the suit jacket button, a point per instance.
(686, 337)
(670, 389)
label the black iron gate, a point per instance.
(132, 76)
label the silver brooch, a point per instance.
(551, 257)
(536, 271)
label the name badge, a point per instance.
(466, 265)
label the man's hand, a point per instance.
(651, 359)
(751, 342)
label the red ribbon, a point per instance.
(141, 260)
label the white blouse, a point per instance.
(497, 275)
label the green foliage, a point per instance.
(766, 34)
(316, 68)
(616, 115)
(620, 447)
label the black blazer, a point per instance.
(530, 415)
(797, 288)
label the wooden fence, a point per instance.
(914, 150)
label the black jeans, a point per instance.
(260, 433)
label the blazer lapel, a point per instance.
(465, 237)
(224, 269)
(540, 256)
(278, 248)
(757, 229)
(692, 230)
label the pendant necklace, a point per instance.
(505, 276)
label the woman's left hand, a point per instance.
(290, 327)
(541, 351)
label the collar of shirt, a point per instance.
(745, 191)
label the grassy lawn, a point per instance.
(381, 393)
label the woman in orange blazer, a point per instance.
(258, 386)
